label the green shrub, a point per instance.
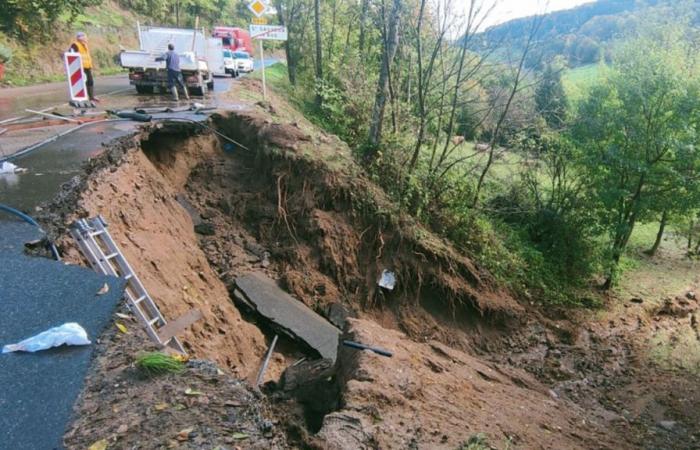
(5, 54)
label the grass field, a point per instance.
(577, 81)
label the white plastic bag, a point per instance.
(68, 334)
(7, 167)
(387, 280)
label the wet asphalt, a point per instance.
(56, 162)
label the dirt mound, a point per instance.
(332, 231)
(136, 186)
(432, 396)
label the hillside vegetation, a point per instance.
(521, 165)
(585, 34)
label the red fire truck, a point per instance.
(234, 39)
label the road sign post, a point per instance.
(270, 33)
(262, 65)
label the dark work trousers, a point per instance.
(175, 79)
(90, 83)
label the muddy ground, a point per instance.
(192, 212)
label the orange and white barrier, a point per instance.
(76, 77)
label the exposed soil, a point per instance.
(204, 407)
(468, 358)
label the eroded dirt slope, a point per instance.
(138, 197)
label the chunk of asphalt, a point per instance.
(289, 314)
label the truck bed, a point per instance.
(138, 59)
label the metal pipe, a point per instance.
(13, 119)
(377, 350)
(67, 119)
(33, 147)
(261, 374)
(223, 136)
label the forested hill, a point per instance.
(582, 34)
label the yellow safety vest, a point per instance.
(84, 53)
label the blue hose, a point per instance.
(31, 221)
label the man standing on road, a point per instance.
(80, 45)
(172, 63)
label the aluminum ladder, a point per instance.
(105, 257)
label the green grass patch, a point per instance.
(156, 363)
(577, 81)
(666, 274)
(275, 75)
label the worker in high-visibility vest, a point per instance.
(80, 45)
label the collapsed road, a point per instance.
(195, 217)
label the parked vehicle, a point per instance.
(243, 61)
(215, 57)
(234, 38)
(200, 59)
(237, 62)
(229, 63)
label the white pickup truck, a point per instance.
(200, 59)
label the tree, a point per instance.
(637, 139)
(550, 98)
(289, 14)
(319, 62)
(29, 18)
(391, 42)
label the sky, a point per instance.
(511, 9)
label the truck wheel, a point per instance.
(198, 91)
(144, 89)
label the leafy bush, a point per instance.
(5, 54)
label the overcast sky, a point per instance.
(511, 9)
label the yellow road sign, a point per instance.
(257, 7)
(259, 21)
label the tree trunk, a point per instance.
(421, 98)
(626, 222)
(331, 44)
(363, 22)
(390, 45)
(317, 28)
(288, 52)
(690, 235)
(659, 235)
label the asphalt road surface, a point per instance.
(111, 89)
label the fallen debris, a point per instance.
(290, 316)
(377, 350)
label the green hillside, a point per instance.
(583, 35)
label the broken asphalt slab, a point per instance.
(289, 314)
(39, 389)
